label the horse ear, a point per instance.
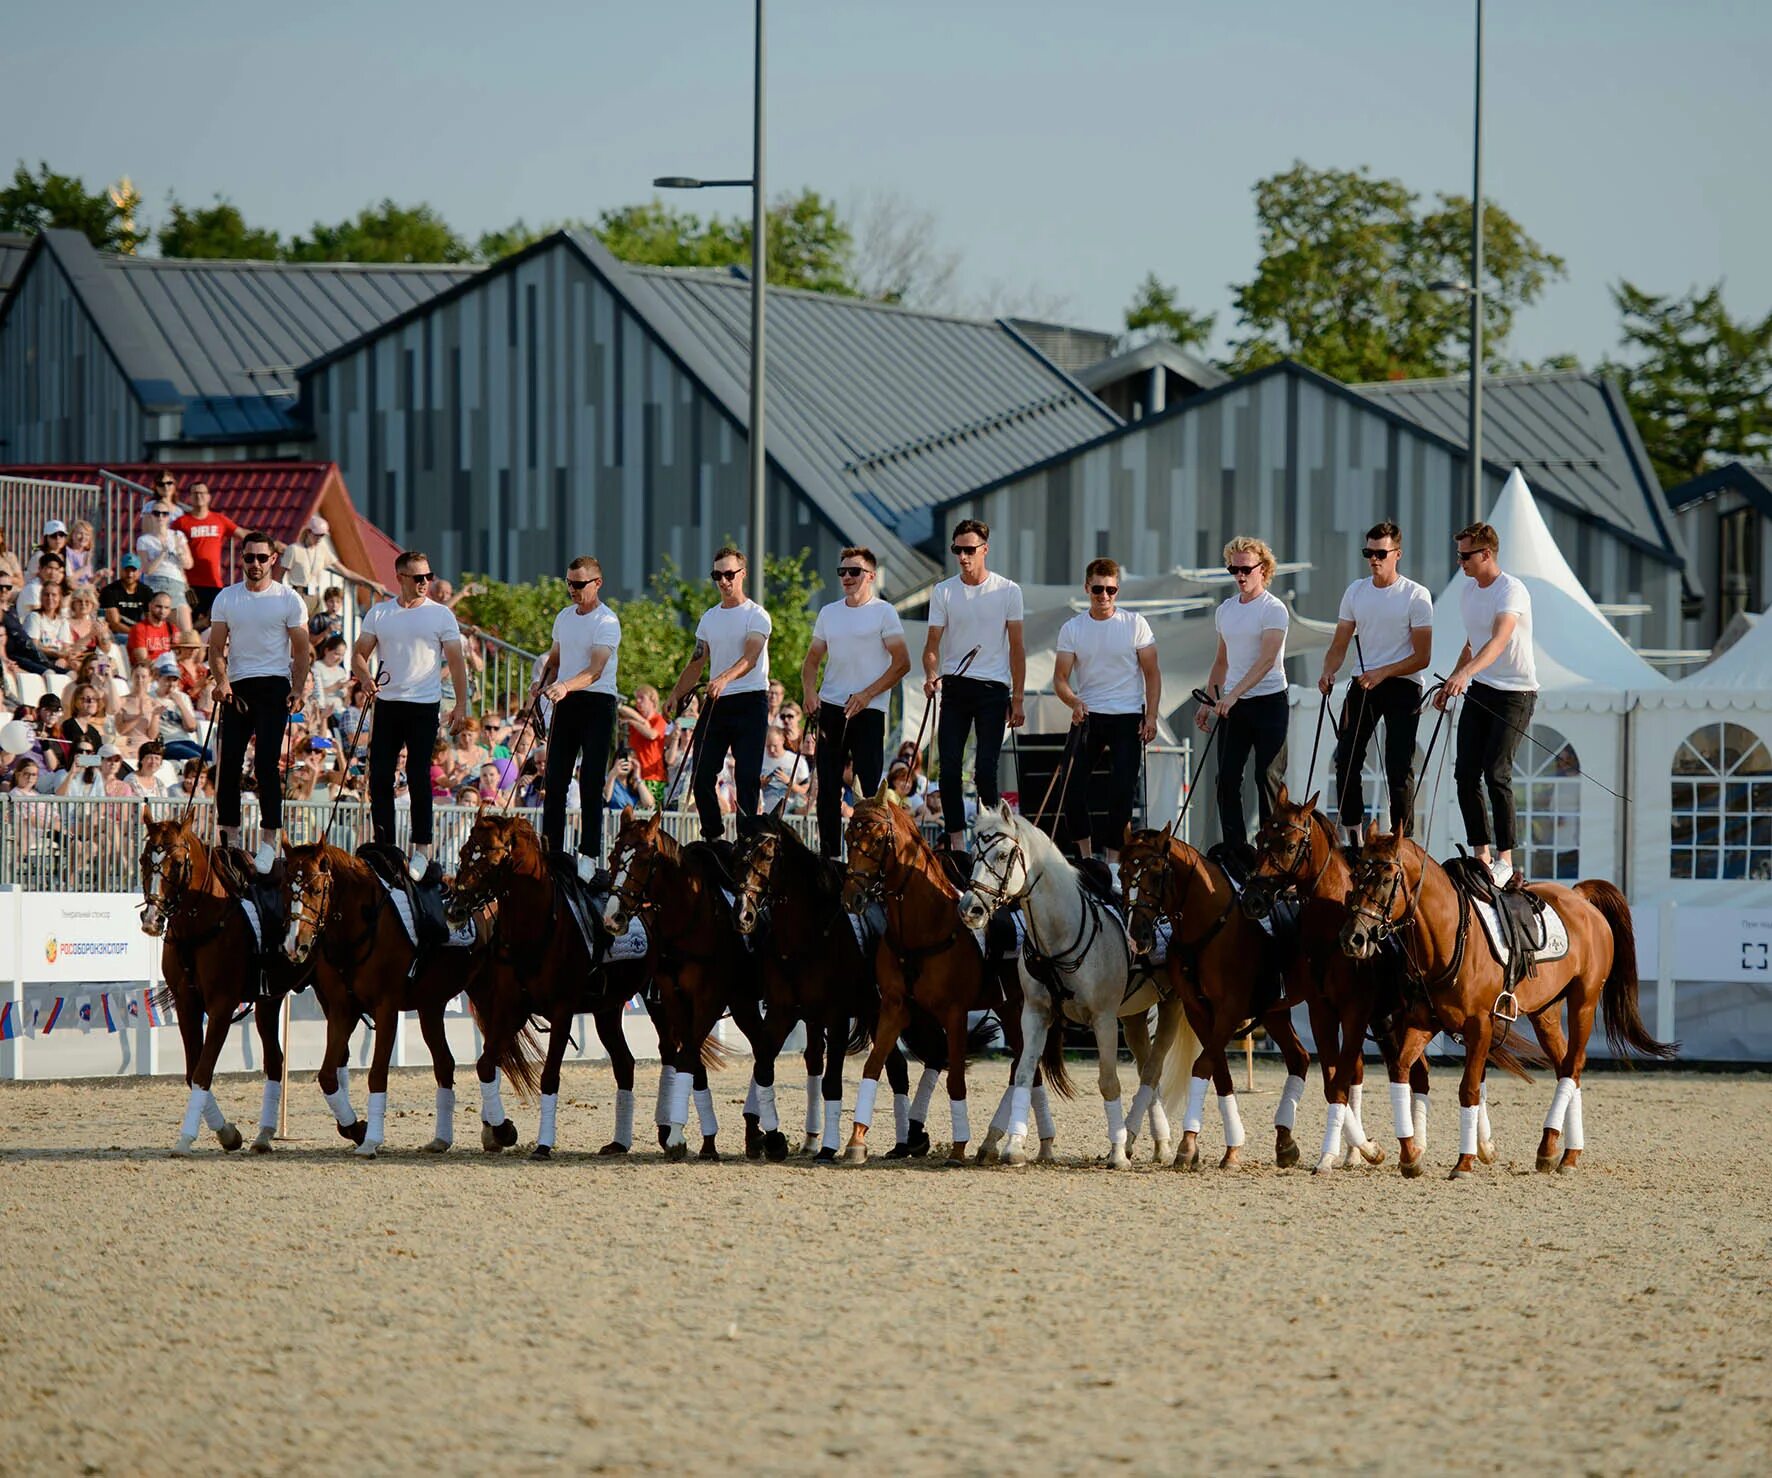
(1371, 832)
(1281, 796)
(1169, 830)
(1126, 840)
(880, 794)
(1004, 811)
(283, 837)
(627, 814)
(1311, 804)
(147, 815)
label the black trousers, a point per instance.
(264, 723)
(582, 731)
(739, 723)
(1116, 735)
(412, 727)
(1255, 726)
(861, 739)
(1490, 728)
(1394, 700)
(969, 706)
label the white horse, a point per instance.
(1076, 940)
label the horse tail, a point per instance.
(1505, 1057)
(1176, 1069)
(1618, 998)
(861, 1035)
(714, 1057)
(520, 1055)
(928, 1042)
(1052, 1060)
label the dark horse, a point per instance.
(342, 919)
(210, 959)
(539, 965)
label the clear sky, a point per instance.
(1064, 149)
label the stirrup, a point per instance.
(1506, 1007)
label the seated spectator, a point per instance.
(151, 637)
(82, 780)
(10, 567)
(53, 750)
(901, 790)
(468, 753)
(298, 784)
(469, 795)
(784, 773)
(85, 722)
(495, 728)
(177, 720)
(166, 559)
(138, 715)
(330, 619)
(86, 628)
(305, 561)
(793, 728)
(443, 783)
(22, 779)
(125, 600)
(21, 652)
(80, 555)
(55, 542)
(197, 780)
(97, 670)
(331, 677)
(155, 776)
(48, 627)
(194, 677)
(623, 787)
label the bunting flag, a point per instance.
(110, 1020)
(10, 1024)
(156, 1016)
(83, 1013)
(55, 1011)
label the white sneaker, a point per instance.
(417, 864)
(1501, 871)
(587, 868)
(263, 859)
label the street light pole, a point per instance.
(1476, 291)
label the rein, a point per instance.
(1200, 696)
(381, 681)
(692, 760)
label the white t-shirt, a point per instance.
(1107, 676)
(409, 644)
(48, 631)
(1515, 670)
(258, 627)
(1241, 624)
(724, 629)
(162, 555)
(975, 616)
(1383, 620)
(580, 636)
(855, 643)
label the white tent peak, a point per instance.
(1747, 663)
(1574, 644)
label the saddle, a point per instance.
(1093, 874)
(424, 899)
(261, 899)
(582, 901)
(957, 865)
(1515, 921)
(1238, 859)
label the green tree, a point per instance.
(217, 230)
(51, 201)
(809, 244)
(1699, 382)
(519, 236)
(386, 232)
(1155, 312)
(1343, 283)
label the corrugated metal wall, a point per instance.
(533, 418)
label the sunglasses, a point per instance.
(1466, 555)
(725, 576)
(419, 577)
(852, 572)
(257, 559)
(964, 548)
(1241, 570)
(1104, 589)
(582, 584)
(1376, 553)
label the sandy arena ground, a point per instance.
(487, 1314)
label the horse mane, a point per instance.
(805, 867)
(1040, 848)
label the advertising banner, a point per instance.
(69, 938)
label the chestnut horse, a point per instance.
(208, 965)
(1222, 966)
(701, 964)
(539, 965)
(343, 921)
(927, 960)
(1398, 889)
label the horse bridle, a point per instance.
(359, 950)
(1380, 920)
(622, 886)
(759, 894)
(1297, 859)
(997, 892)
(1134, 882)
(872, 885)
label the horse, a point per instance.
(814, 969)
(341, 919)
(207, 962)
(926, 960)
(1399, 890)
(538, 964)
(1223, 968)
(1076, 962)
(701, 964)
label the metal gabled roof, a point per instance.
(13, 247)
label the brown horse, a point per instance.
(1223, 968)
(701, 964)
(539, 966)
(210, 960)
(343, 921)
(1400, 890)
(927, 960)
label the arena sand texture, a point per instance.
(491, 1315)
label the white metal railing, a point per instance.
(27, 503)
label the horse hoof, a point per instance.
(775, 1146)
(368, 1149)
(900, 1151)
(1570, 1164)
(677, 1153)
(989, 1155)
(1232, 1159)
(488, 1139)
(753, 1138)
(664, 1136)
(812, 1144)
(1013, 1155)
(856, 1154)
(1285, 1151)
(230, 1137)
(1458, 1174)
(919, 1142)
(1546, 1164)
(1163, 1153)
(542, 1152)
(825, 1156)
(1118, 1159)
(185, 1147)
(708, 1152)
(1373, 1153)
(1411, 1168)
(1327, 1165)
(1190, 1160)
(1486, 1151)
(435, 1147)
(614, 1147)
(505, 1133)
(1045, 1157)
(355, 1131)
(261, 1144)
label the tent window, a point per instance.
(1547, 792)
(1721, 811)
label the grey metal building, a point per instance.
(1725, 516)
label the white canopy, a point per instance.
(1747, 665)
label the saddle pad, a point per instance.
(402, 907)
(1159, 954)
(1553, 941)
(1007, 952)
(629, 945)
(250, 909)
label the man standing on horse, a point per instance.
(1107, 672)
(259, 654)
(414, 635)
(587, 643)
(864, 641)
(1497, 610)
(973, 614)
(1250, 668)
(1389, 619)
(731, 640)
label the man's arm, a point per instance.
(932, 660)
(1271, 642)
(809, 675)
(1153, 691)
(688, 677)
(884, 683)
(1469, 666)
(599, 660)
(360, 655)
(1062, 666)
(114, 619)
(752, 654)
(301, 658)
(1337, 653)
(458, 674)
(550, 666)
(218, 660)
(1018, 673)
(1214, 681)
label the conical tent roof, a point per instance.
(1577, 649)
(1746, 665)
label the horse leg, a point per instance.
(895, 1015)
(898, 1078)
(1228, 1113)
(1547, 1026)
(1138, 1043)
(1581, 1025)
(430, 1025)
(1356, 1012)
(1107, 1060)
(387, 1017)
(1187, 1157)
(834, 1030)
(1035, 1025)
(339, 1026)
(961, 1119)
(814, 1123)
(762, 1129)
(1477, 1032)
(201, 1107)
(608, 1019)
(667, 1074)
(559, 1034)
(1150, 1079)
(1418, 1089)
(265, 1017)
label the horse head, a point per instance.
(756, 865)
(307, 897)
(1284, 847)
(171, 853)
(872, 846)
(1144, 880)
(1000, 871)
(1380, 900)
(488, 859)
(639, 845)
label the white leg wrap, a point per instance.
(1483, 1129)
(1401, 1114)
(1019, 1102)
(446, 1115)
(1159, 1122)
(624, 1116)
(1043, 1113)
(1116, 1121)
(662, 1114)
(678, 1111)
(1233, 1121)
(768, 1120)
(1352, 1129)
(962, 1123)
(339, 1101)
(1196, 1105)
(814, 1105)
(925, 1094)
(1000, 1119)
(268, 1105)
(1419, 1103)
(1141, 1102)
(750, 1098)
(1574, 1137)
(492, 1104)
(1559, 1104)
(378, 1118)
(212, 1114)
(833, 1124)
(865, 1091)
(1467, 1130)
(550, 1110)
(1332, 1131)
(193, 1120)
(901, 1117)
(704, 1112)
(1286, 1111)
